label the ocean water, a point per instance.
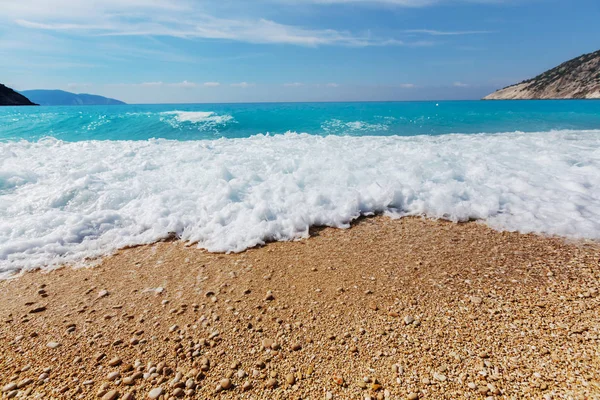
(81, 182)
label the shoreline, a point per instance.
(420, 308)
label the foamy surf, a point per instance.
(64, 202)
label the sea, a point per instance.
(80, 182)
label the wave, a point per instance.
(337, 126)
(206, 117)
(64, 202)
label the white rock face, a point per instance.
(578, 78)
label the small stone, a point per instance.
(178, 392)
(246, 386)
(296, 346)
(113, 375)
(290, 379)
(37, 310)
(408, 320)
(110, 395)
(361, 384)
(269, 296)
(173, 328)
(10, 387)
(329, 395)
(373, 306)
(413, 396)
(53, 345)
(127, 396)
(115, 361)
(155, 393)
(24, 383)
(476, 300)
(271, 383)
(267, 343)
(338, 380)
(226, 383)
(439, 377)
(102, 293)
(128, 381)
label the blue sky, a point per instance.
(169, 51)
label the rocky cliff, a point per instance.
(578, 78)
(9, 97)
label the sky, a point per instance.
(187, 51)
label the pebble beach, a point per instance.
(389, 309)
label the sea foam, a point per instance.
(63, 202)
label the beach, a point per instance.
(390, 308)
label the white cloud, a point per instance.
(242, 84)
(293, 84)
(152, 83)
(212, 84)
(184, 19)
(332, 85)
(460, 84)
(433, 32)
(407, 85)
(184, 84)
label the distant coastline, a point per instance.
(62, 98)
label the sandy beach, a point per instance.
(398, 309)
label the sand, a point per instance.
(397, 309)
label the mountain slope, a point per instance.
(62, 98)
(9, 97)
(578, 78)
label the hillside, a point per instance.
(9, 97)
(62, 98)
(578, 78)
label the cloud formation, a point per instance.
(182, 19)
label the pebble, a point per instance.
(290, 379)
(24, 383)
(10, 387)
(115, 361)
(269, 296)
(53, 345)
(113, 375)
(225, 383)
(476, 300)
(408, 320)
(111, 395)
(271, 383)
(127, 396)
(155, 393)
(102, 293)
(246, 386)
(413, 396)
(296, 346)
(439, 377)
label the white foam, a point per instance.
(62, 202)
(199, 117)
(339, 126)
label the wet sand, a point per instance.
(397, 309)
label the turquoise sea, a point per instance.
(78, 183)
(212, 121)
